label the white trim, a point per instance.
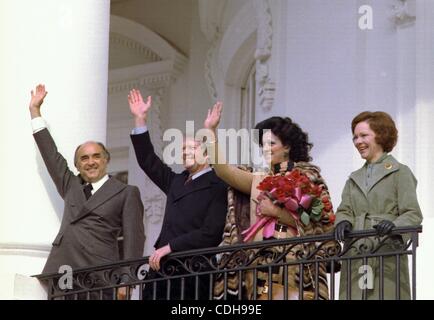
(25, 249)
(140, 34)
(210, 15)
(238, 43)
(139, 48)
(151, 75)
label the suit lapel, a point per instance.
(109, 189)
(77, 200)
(200, 183)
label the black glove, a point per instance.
(341, 230)
(384, 227)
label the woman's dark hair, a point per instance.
(291, 136)
(386, 134)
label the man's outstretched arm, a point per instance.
(54, 161)
(150, 163)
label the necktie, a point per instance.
(88, 190)
(189, 179)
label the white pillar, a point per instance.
(424, 147)
(63, 44)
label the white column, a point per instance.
(63, 44)
(424, 147)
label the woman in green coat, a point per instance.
(380, 195)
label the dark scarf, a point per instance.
(283, 167)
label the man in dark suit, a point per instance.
(196, 201)
(98, 208)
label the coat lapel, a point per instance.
(202, 182)
(77, 200)
(108, 190)
(359, 178)
(386, 167)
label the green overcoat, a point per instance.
(391, 195)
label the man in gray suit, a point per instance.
(98, 208)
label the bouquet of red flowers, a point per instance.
(295, 192)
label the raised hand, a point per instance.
(214, 115)
(138, 107)
(36, 100)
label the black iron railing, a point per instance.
(293, 268)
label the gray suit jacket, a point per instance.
(90, 228)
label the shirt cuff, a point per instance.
(139, 130)
(38, 124)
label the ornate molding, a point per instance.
(208, 66)
(210, 15)
(158, 95)
(141, 34)
(150, 75)
(266, 87)
(178, 63)
(151, 81)
(265, 30)
(135, 46)
(237, 46)
(401, 15)
(154, 206)
(266, 95)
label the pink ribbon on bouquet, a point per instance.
(268, 223)
(297, 200)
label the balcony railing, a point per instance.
(293, 268)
